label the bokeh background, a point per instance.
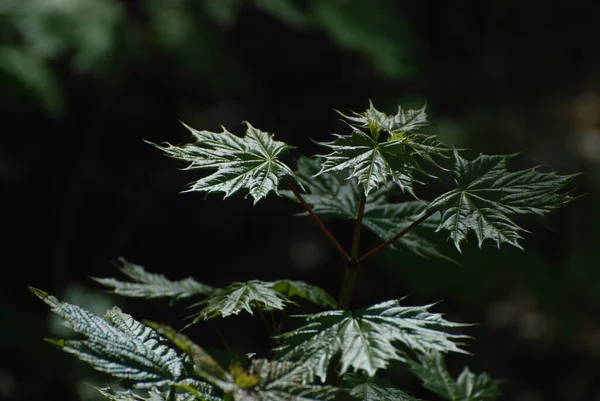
(83, 82)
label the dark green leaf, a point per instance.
(237, 297)
(150, 285)
(366, 340)
(365, 388)
(31, 71)
(311, 293)
(331, 196)
(263, 381)
(377, 30)
(282, 381)
(249, 162)
(488, 197)
(468, 387)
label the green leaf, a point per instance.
(264, 380)
(400, 123)
(488, 197)
(239, 296)
(151, 285)
(153, 395)
(331, 196)
(118, 345)
(468, 387)
(204, 365)
(282, 381)
(34, 74)
(305, 291)
(388, 219)
(285, 10)
(376, 30)
(224, 12)
(328, 194)
(373, 162)
(366, 339)
(367, 388)
(242, 163)
(370, 162)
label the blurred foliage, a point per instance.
(84, 81)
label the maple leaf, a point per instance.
(489, 197)
(250, 162)
(365, 339)
(375, 162)
(330, 195)
(467, 387)
(365, 388)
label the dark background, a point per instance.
(84, 82)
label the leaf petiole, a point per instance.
(318, 220)
(389, 242)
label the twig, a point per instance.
(317, 220)
(387, 243)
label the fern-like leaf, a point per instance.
(151, 285)
(248, 163)
(300, 289)
(331, 196)
(367, 339)
(365, 388)
(240, 296)
(118, 345)
(488, 197)
(374, 161)
(468, 387)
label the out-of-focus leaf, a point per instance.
(35, 74)
(285, 10)
(51, 27)
(468, 387)
(374, 28)
(224, 12)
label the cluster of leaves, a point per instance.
(335, 346)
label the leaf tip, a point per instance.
(38, 293)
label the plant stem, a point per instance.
(266, 322)
(351, 266)
(347, 287)
(317, 220)
(390, 241)
(221, 336)
(357, 229)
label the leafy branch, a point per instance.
(343, 347)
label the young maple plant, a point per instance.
(337, 353)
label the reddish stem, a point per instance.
(387, 243)
(317, 220)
